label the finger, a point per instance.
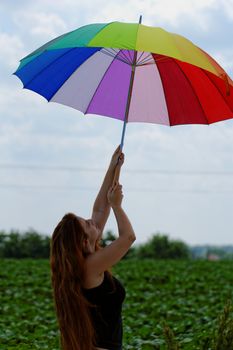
(117, 189)
(114, 184)
(121, 157)
(116, 174)
(120, 161)
(117, 149)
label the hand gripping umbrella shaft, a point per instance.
(116, 175)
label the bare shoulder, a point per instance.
(92, 279)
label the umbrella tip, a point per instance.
(140, 19)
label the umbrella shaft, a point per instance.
(128, 99)
(129, 93)
(123, 134)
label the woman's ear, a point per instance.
(85, 244)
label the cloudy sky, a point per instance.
(177, 181)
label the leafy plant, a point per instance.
(223, 337)
(171, 342)
(187, 295)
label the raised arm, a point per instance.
(103, 259)
(101, 207)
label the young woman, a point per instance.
(88, 299)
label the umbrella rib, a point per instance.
(149, 60)
(147, 55)
(139, 57)
(127, 59)
(145, 64)
(109, 53)
(123, 57)
(113, 49)
(131, 58)
(145, 58)
(145, 61)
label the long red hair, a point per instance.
(67, 271)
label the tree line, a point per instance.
(31, 244)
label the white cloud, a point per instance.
(18, 102)
(39, 24)
(155, 12)
(225, 59)
(227, 5)
(11, 49)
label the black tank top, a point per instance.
(107, 299)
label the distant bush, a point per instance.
(108, 237)
(161, 247)
(29, 244)
(32, 244)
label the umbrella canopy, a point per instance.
(130, 72)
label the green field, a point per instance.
(188, 296)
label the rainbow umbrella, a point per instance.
(131, 72)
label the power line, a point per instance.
(48, 167)
(77, 188)
(47, 187)
(34, 167)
